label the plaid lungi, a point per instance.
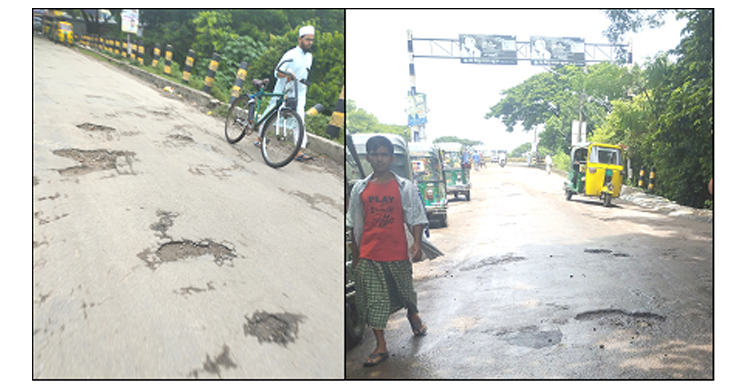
(382, 288)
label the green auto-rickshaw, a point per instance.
(457, 167)
(427, 167)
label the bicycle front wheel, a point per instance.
(281, 138)
(238, 120)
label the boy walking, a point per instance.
(381, 209)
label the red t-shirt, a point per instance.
(383, 236)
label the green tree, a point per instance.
(463, 141)
(213, 31)
(556, 98)
(361, 121)
(675, 107)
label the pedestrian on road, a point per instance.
(548, 163)
(383, 209)
(296, 64)
(477, 158)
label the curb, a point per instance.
(315, 143)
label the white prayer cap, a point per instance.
(306, 30)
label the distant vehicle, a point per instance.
(427, 167)
(38, 24)
(595, 170)
(64, 33)
(457, 168)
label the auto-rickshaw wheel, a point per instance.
(568, 194)
(607, 200)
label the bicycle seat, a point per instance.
(258, 84)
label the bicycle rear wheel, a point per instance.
(238, 119)
(281, 138)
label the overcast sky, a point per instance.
(459, 95)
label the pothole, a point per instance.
(181, 137)
(97, 160)
(606, 252)
(279, 328)
(532, 337)
(621, 318)
(106, 131)
(93, 127)
(494, 260)
(181, 250)
(597, 251)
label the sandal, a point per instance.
(303, 157)
(375, 358)
(256, 143)
(421, 331)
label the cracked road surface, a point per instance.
(161, 251)
(535, 287)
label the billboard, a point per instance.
(416, 107)
(488, 49)
(130, 20)
(557, 51)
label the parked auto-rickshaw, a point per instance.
(427, 167)
(457, 167)
(358, 168)
(596, 169)
(64, 33)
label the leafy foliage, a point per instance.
(361, 121)
(463, 141)
(256, 36)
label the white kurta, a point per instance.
(297, 62)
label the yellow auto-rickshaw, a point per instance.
(64, 33)
(596, 169)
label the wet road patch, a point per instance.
(165, 222)
(606, 252)
(190, 289)
(175, 251)
(494, 260)
(531, 337)
(97, 160)
(215, 365)
(279, 328)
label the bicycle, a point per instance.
(282, 128)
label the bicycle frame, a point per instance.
(262, 94)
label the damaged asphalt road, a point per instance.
(162, 251)
(536, 287)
